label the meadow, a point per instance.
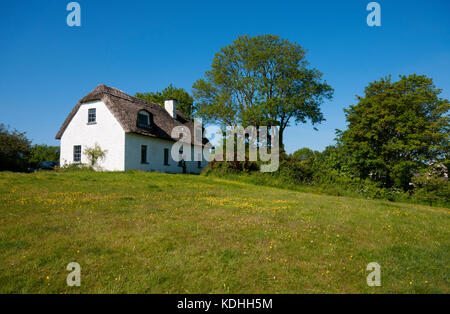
(137, 232)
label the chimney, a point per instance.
(171, 107)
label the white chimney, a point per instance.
(171, 107)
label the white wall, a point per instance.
(123, 150)
(107, 132)
(155, 155)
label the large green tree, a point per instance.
(262, 80)
(185, 101)
(396, 128)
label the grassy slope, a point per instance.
(158, 233)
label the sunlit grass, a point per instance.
(160, 233)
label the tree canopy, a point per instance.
(396, 128)
(262, 80)
(43, 153)
(184, 100)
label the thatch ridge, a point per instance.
(125, 109)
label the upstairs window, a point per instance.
(77, 153)
(144, 120)
(92, 116)
(144, 154)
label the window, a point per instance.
(144, 120)
(144, 154)
(92, 116)
(166, 156)
(199, 161)
(77, 153)
(180, 162)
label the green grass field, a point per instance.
(157, 233)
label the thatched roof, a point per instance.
(125, 109)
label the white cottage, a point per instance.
(135, 133)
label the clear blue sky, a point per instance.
(46, 66)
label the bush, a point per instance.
(431, 186)
(95, 154)
(232, 166)
(75, 168)
(15, 149)
(296, 172)
(317, 175)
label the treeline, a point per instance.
(19, 155)
(396, 147)
(329, 172)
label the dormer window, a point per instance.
(144, 120)
(92, 116)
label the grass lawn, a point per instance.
(157, 233)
